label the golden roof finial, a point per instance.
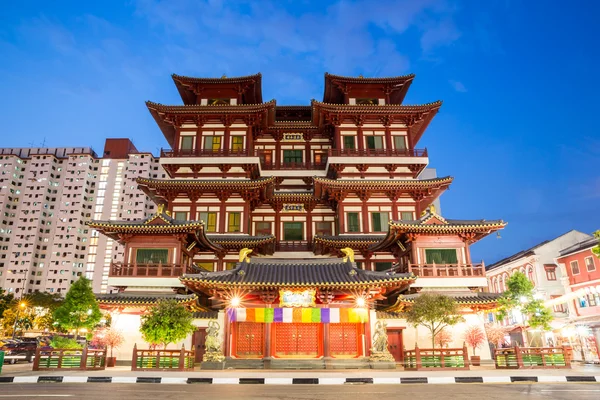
(432, 209)
(348, 253)
(160, 209)
(244, 254)
(168, 213)
(361, 76)
(224, 76)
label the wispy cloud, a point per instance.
(458, 86)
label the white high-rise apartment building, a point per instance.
(46, 197)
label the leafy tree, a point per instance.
(166, 322)
(45, 305)
(596, 250)
(519, 295)
(6, 299)
(25, 322)
(434, 312)
(80, 308)
(61, 342)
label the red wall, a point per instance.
(584, 275)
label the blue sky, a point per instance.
(519, 82)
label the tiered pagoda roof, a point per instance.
(337, 86)
(169, 117)
(473, 301)
(284, 273)
(324, 244)
(433, 224)
(254, 190)
(250, 87)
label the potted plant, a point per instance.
(475, 337)
(111, 339)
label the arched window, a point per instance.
(505, 286)
(530, 274)
(500, 284)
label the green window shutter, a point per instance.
(379, 221)
(349, 142)
(399, 143)
(187, 142)
(353, 222)
(293, 231)
(441, 256)
(152, 256)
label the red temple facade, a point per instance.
(264, 200)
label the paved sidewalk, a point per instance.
(22, 373)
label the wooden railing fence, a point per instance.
(80, 359)
(162, 360)
(436, 359)
(532, 357)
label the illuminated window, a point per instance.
(210, 220)
(219, 102)
(237, 143)
(212, 143)
(406, 215)
(209, 266)
(234, 221)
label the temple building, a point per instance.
(296, 227)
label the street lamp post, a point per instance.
(21, 305)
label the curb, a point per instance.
(298, 381)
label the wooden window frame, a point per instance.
(348, 225)
(397, 139)
(262, 231)
(210, 226)
(382, 226)
(577, 265)
(587, 266)
(301, 231)
(231, 225)
(237, 146)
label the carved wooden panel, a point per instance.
(300, 340)
(343, 340)
(249, 340)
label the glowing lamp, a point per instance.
(235, 301)
(360, 301)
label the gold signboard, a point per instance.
(292, 137)
(293, 208)
(297, 298)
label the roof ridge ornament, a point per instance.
(348, 253)
(243, 256)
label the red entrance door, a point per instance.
(302, 340)
(198, 340)
(344, 340)
(395, 344)
(249, 340)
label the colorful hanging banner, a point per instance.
(299, 315)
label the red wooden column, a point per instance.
(336, 137)
(223, 196)
(226, 145)
(388, 138)
(365, 217)
(360, 138)
(309, 229)
(341, 219)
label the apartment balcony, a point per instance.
(447, 275)
(154, 275)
